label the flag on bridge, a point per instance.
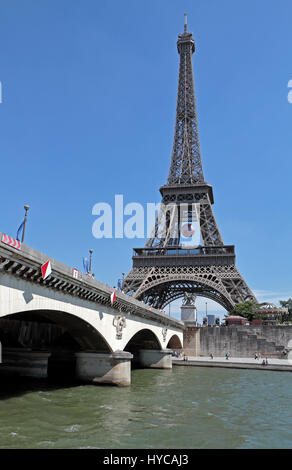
(119, 284)
(46, 269)
(113, 297)
(20, 231)
(86, 265)
(75, 273)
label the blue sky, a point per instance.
(88, 109)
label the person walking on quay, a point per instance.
(255, 356)
(211, 356)
(227, 355)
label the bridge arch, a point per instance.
(143, 340)
(45, 329)
(174, 343)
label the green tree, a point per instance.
(245, 309)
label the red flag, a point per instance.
(46, 269)
(113, 297)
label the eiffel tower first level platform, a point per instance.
(185, 252)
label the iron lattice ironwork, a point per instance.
(164, 270)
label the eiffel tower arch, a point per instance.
(185, 251)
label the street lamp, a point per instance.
(26, 208)
(90, 261)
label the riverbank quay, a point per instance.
(282, 365)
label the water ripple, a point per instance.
(183, 408)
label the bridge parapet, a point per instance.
(25, 263)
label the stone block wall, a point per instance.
(192, 341)
(244, 341)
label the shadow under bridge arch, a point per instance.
(174, 343)
(50, 330)
(144, 339)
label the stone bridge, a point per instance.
(68, 324)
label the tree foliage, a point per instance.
(245, 309)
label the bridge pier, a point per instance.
(155, 358)
(112, 369)
(24, 363)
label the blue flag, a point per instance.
(86, 265)
(20, 231)
(119, 284)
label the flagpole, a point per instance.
(26, 208)
(90, 251)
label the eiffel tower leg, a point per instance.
(208, 226)
(237, 287)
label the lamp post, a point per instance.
(26, 208)
(90, 261)
(121, 288)
(207, 314)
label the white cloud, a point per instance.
(270, 296)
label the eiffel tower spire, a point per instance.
(168, 267)
(186, 162)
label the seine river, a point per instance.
(187, 407)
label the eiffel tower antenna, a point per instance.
(186, 23)
(185, 252)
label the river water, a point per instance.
(187, 408)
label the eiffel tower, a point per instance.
(166, 268)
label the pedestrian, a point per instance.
(267, 361)
(255, 356)
(211, 356)
(227, 356)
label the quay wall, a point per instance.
(244, 341)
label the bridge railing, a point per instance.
(180, 251)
